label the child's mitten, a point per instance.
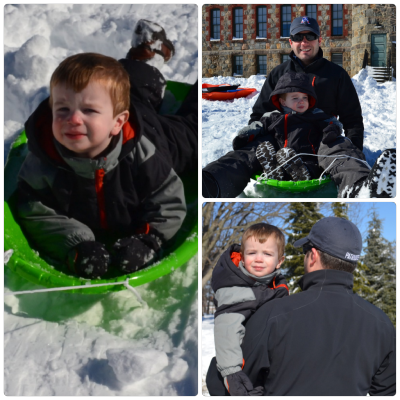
(238, 384)
(135, 252)
(331, 133)
(247, 135)
(88, 260)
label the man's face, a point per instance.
(306, 50)
(83, 122)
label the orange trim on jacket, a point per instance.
(236, 258)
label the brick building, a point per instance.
(250, 39)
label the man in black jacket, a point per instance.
(326, 340)
(229, 175)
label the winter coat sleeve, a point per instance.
(228, 329)
(384, 381)
(263, 105)
(349, 110)
(51, 231)
(165, 208)
(234, 306)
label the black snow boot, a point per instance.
(266, 155)
(150, 44)
(381, 181)
(295, 167)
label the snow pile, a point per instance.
(131, 365)
(207, 348)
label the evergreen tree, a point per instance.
(340, 210)
(302, 217)
(380, 259)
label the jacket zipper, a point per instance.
(309, 141)
(99, 181)
(285, 128)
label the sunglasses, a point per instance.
(307, 247)
(298, 37)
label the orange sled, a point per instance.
(224, 92)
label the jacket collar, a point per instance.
(297, 60)
(265, 280)
(335, 280)
(87, 167)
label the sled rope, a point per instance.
(58, 289)
(264, 175)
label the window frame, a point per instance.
(341, 55)
(212, 25)
(258, 64)
(285, 6)
(235, 24)
(336, 19)
(284, 56)
(235, 64)
(316, 9)
(258, 23)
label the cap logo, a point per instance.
(352, 257)
(305, 20)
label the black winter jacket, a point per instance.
(335, 91)
(324, 341)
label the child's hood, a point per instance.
(229, 272)
(41, 141)
(293, 82)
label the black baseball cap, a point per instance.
(304, 24)
(335, 236)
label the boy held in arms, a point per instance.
(103, 164)
(244, 278)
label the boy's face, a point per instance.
(83, 122)
(296, 101)
(261, 259)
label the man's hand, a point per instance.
(238, 384)
(247, 135)
(331, 133)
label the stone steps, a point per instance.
(380, 74)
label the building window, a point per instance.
(237, 65)
(262, 65)
(337, 19)
(311, 10)
(262, 22)
(285, 57)
(215, 24)
(286, 18)
(238, 23)
(337, 58)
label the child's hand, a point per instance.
(89, 260)
(238, 384)
(135, 252)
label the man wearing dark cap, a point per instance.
(229, 175)
(325, 340)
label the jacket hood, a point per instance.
(229, 271)
(41, 141)
(293, 82)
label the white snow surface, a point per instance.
(207, 348)
(60, 343)
(223, 119)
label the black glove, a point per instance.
(135, 252)
(238, 384)
(247, 135)
(331, 133)
(88, 260)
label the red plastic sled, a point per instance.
(226, 95)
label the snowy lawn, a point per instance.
(207, 348)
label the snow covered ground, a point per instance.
(68, 344)
(207, 348)
(222, 119)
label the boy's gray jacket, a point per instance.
(64, 200)
(238, 294)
